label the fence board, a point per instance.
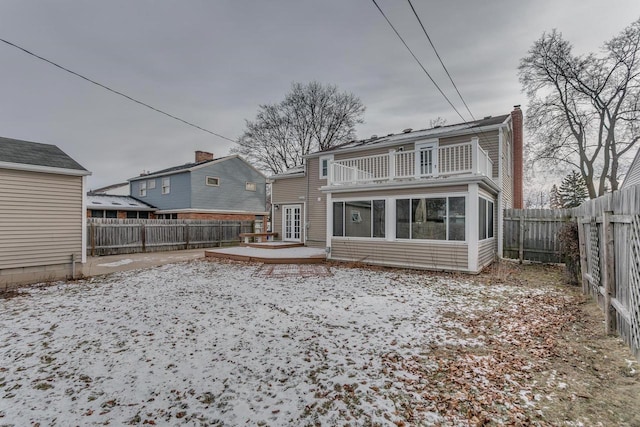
(107, 236)
(532, 234)
(610, 225)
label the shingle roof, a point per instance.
(120, 203)
(34, 153)
(440, 131)
(174, 169)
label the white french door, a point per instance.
(292, 223)
(427, 159)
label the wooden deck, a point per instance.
(270, 253)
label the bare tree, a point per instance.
(312, 117)
(584, 110)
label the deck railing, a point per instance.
(457, 159)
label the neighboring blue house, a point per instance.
(209, 188)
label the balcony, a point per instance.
(423, 163)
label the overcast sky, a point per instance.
(214, 62)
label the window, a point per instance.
(142, 191)
(110, 214)
(166, 185)
(250, 186)
(324, 166)
(212, 181)
(151, 184)
(431, 218)
(485, 219)
(97, 214)
(132, 214)
(143, 215)
(363, 218)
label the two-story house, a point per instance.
(227, 188)
(430, 198)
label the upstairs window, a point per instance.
(166, 185)
(324, 166)
(142, 191)
(250, 186)
(151, 184)
(212, 181)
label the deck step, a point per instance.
(273, 245)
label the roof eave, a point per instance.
(43, 169)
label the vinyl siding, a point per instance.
(423, 255)
(507, 170)
(486, 252)
(40, 219)
(179, 196)
(317, 206)
(287, 191)
(231, 194)
(633, 174)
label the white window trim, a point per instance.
(248, 184)
(206, 181)
(391, 220)
(151, 184)
(345, 218)
(329, 159)
(486, 218)
(166, 189)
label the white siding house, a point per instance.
(42, 213)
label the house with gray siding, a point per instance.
(633, 174)
(429, 199)
(42, 213)
(209, 188)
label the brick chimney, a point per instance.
(202, 156)
(518, 157)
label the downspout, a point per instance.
(306, 204)
(500, 203)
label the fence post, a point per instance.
(143, 237)
(92, 229)
(186, 236)
(521, 238)
(583, 255)
(609, 273)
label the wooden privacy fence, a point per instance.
(532, 234)
(125, 236)
(609, 234)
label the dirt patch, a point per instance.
(578, 374)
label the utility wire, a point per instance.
(440, 59)
(419, 63)
(115, 91)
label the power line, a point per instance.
(440, 59)
(115, 91)
(418, 61)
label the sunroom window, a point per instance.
(362, 218)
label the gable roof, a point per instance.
(188, 167)
(474, 127)
(35, 154)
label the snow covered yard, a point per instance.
(214, 343)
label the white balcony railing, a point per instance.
(457, 159)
